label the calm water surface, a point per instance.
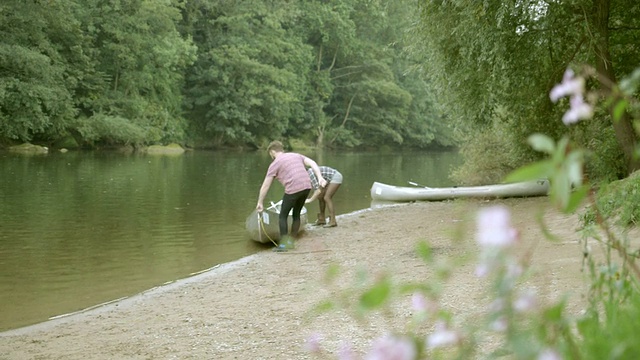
(80, 229)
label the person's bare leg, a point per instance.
(322, 219)
(328, 199)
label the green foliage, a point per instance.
(494, 57)
(563, 169)
(249, 77)
(612, 333)
(139, 57)
(618, 200)
(331, 72)
(340, 73)
(424, 251)
(492, 150)
(487, 160)
(604, 159)
(376, 296)
(64, 61)
(370, 101)
(34, 97)
(110, 130)
(526, 330)
(607, 329)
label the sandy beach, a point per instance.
(261, 306)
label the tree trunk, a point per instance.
(320, 136)
(627, 138)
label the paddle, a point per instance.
(418, 185)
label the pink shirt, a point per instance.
(290, 170)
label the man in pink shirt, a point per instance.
(291, 171)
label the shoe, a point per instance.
(280, 248)
(285, 244)
(330, 225)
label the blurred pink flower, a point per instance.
(494, 227)
(346, 352)
(482, 270)
(569, 86)
(549, 354)
(500, 324)
(419, 302)
(392, 348)
(579, 110)
(574, 87)
(525, 301)
(312, 343)
(442, 337)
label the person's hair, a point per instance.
(275, 146)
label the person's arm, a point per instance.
(264, 189)
(314, 196)
(316, 170)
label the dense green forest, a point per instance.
(330, 73)
(207, 73)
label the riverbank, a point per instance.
(259, 307)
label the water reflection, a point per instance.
(79, 229)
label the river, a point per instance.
(82, 228)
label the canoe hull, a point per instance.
(384, 192)
(264, 227)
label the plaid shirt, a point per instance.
(327, 174)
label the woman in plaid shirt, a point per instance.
(325, 194)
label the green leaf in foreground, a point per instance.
(332, 273)
(533, 171)
(424, 251)
(575, 199)
(542, 143)
(619, 109)
(325, 306)
(376, 296)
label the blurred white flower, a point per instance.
(392, 348)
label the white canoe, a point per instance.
(264, 227)
(384, 192)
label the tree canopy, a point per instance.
(335, 73)
(213, 73)
(102, 72)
